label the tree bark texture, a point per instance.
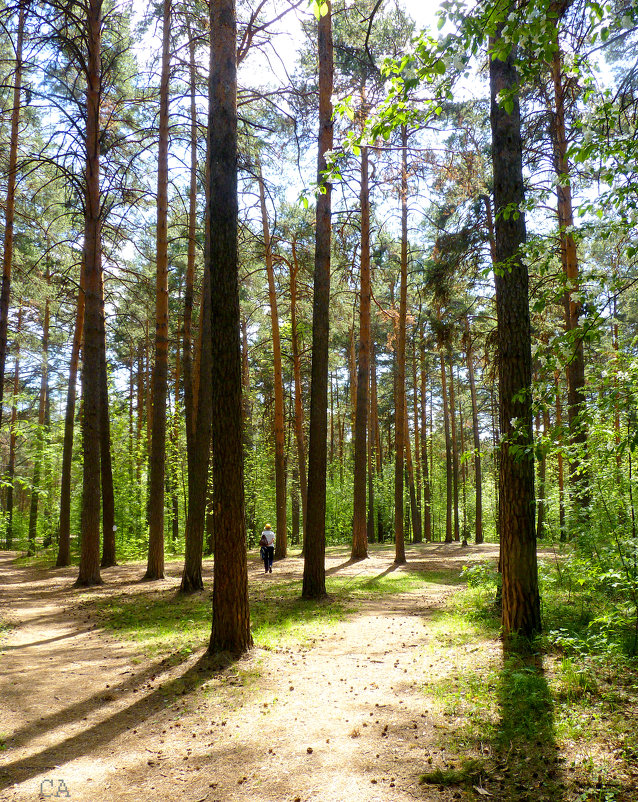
(521, 600)
(427, 514)
(314, 576)
(455, 451)
(448, 451)
(231, 617)
(89, 573)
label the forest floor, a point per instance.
(352, 702)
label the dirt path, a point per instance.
(85, 716)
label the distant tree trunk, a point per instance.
(576, 398)
(64, 541)
(359, 525)
(12, 436)
(281, 543)
(231, 618)
(371, 447)
(187, 339)
(521, 600)
(155, 564)
(296, 369)
(352, 371)
(172, 474)
(375, 435)
(89, 572)
(314, 577)
(478, 479)
(106, 468)
(448, 452)
(561, 471)
(9, 208)
(418, 528)
(427, 517)
(415, 517)
(399, 387)
(542, 475)
(455, 450)
(497, 462)
(200, 453)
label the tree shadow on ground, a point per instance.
(527, 761)
(88, 739)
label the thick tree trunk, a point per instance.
(281, 543)
(64, 542)
(231, 618)
(359, 525)
(106, 467)
(478, 479)
(12, 436)
(521, 600)
(9, 209)
(89, 573)
(314, 577)
(399, 386)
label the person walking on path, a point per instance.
(267, 544)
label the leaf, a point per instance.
(481, 791)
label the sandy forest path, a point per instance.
(342, 718)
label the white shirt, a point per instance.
(270, 536)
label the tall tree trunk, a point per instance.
(541, 502)
(64, 542)
(455, 450)
(296, 369)
(281, 544)
(399, 387)
(89, 573)
(9, 209)
(478, 479)
(427, 516)
(314, 576)
(231, 618)
(155, 564)
(521, 600)
(187, 340)
(359, 525)
(448, 451)
(576, 398)
(12, 436)
(106, 468)
(198, 464)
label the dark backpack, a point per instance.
(263, 541)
